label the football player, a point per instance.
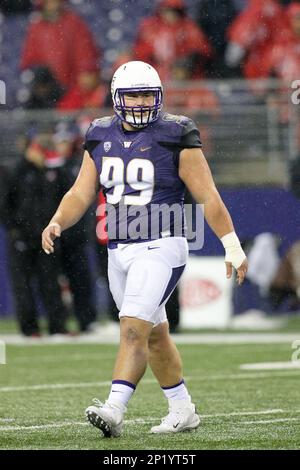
(143, 159)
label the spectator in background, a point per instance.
(88, 93)
(251, 34)
(253, 304)
(282, 61)
(170, 35)
(285, 287)
(61, 40)
(73, 243)
(182, 92)
(283, 58)
(3, 189)
(45, 90)
(29, 202)
(13, 7)
(214, 19)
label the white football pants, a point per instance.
(143, 275)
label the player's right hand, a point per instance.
(241, 271)
(50, 233)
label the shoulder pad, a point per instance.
(182, 125)
(97, 127)
(96, 132)
(179, 132)
(188, 126)
(175, 118)
(103, 122)
(185, 124)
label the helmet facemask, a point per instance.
(138, 116)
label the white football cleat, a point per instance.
(105, 417)
(180, 418)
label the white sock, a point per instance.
(120, 393)
(177, 392)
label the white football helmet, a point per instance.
(136, 76)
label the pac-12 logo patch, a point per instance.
(107, 146)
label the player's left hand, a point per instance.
(240, 271)
(50, 233)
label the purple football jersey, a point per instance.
(138, 172)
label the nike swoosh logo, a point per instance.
(143, 149)
(153, 247)
(175, 425)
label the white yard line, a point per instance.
(259, 375)
(271, 365)
(246, 413)
(270, 421)
(42, 426)
(105, 383)
(236, 338)
(191, 338)
(218, 415)
(254, 376)
(26, 388)
(151, 420)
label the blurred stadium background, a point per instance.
(249, 125)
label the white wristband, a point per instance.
(234, 253)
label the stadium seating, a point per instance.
(114, 24)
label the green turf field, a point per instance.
(44, 390)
